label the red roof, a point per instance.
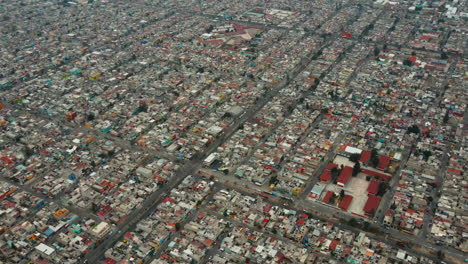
(454, 171)
(372, 204)
(326, 176)
(345, 175)
(213, 41)
(365, 156)
(168, 199)
(412, 59)
(373, 187)
(327, 197)
(333, 244)
(425, 37)
(384, 161)
(208, 242)
(345, 202)
(201, 215)
(375, 173)
(7, 160)
(300, 222)
(331, 166)
(109, 261)
(347, 35)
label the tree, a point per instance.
(444, 55)
(374, 158)
(446, 117)
(143, 107)
(342, 194)
(440, 254)
(413, 129)
(366, 226)
(376, 51)
(356, 169)
(177, 226)
(28, 152)
(335, 172)
(273, 180)
(354, 157)
(426, 154)
(353, 222)
(407, 62)
(383, 186)
(209, 29)
(91, 116)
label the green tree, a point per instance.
(426, 154)
(444, 55)
(366, 226)
(440, 254)
(446, 117)
(356, 169)
(374, 158)
(28, 152)
(407, 62)
(273, 180)
(413, 129)
(383, 187)
(353, 222)
(376, 51)
(354, 157)
(91, 116)
(335, 172)
(110, 153)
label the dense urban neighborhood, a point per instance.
(233, 131)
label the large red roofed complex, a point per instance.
(373, 187)
(326, 176)
(344, 177)
(345, 202)
(384, 161)
(365, 156)
(371, 205)
(377, 174)
(327, 197)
